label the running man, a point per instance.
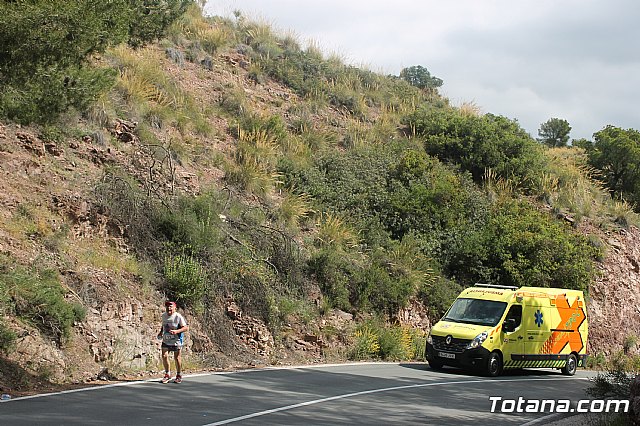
(172, 335)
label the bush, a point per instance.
(333, 270)
(438, 296)
(479, 143)
(396, 343)
(186, 278)
(427, 197)
(49, 92)
(616, 381)
(389, 279)
(520, 246)
(37, 296)
(7, 338)
(190, 222)
(366, 344)
(346, 182)
(616, 155)
(52, 75)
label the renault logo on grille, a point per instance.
(448, 340)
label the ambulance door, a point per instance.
(537, 323)
(513, 335)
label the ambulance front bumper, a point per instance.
(468, 358)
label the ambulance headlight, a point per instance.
(477, 341)
(429, 339)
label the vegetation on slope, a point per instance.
(375, 190)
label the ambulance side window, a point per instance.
(513, 318)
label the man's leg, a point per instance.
(165, 359)
(178, 357)
(165, 363)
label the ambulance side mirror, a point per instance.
(509, 325)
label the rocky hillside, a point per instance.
(51, 219)
(47, 194)
(614, 312)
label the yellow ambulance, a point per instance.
(490, 328)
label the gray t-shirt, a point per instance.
(173, 322)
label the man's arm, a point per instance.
(180, 330)
(184, 327)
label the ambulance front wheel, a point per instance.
(571, 366)
(435, 365)
(494, 364)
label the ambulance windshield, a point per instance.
(476, 311)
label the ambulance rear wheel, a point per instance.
(494, 365)
(571, 366)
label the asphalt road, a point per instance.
(351, 394)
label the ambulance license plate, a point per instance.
(446, 355)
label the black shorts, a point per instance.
(171, 348)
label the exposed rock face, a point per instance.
(416, 316)
(119, 336)
(39, 356)
(251, 331)
(614, 299)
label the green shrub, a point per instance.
(521, 246)
(630, 342)
(294, 209)
(7, 338)
(373, 339)
(366, 344)
(597, 361)
(396, 344)
(253, 287)
(438, 296)
(46, 94)
(346, 182)
(382, 281)
(52, 75)
(37, 296)
(616, 381)
(190, 222)
(253, 178)
(478, 143)
(429, 198)
(234, 101)
(287, 309)
(616, 155)
(186, 278)
(273, 127)
(334, 271)
(381, 286)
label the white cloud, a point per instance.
(527, 59)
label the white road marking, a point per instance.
(113, 385)
(137, 382)
(350, 395)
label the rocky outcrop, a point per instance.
(415, 315)
(614, 299)
(253, 332)
(118, 335)
(37, 355)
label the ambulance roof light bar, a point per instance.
(504, 287)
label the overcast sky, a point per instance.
(529, 60)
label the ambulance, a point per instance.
(489, 328)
